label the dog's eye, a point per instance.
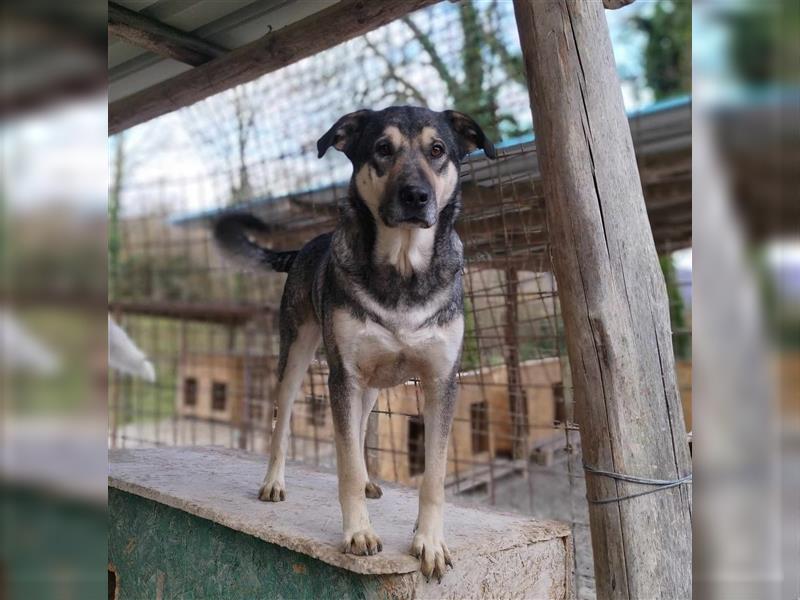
(437, 150)
(383, 148)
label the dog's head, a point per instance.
(406, 159)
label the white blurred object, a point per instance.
(21, 351)
(124, 356)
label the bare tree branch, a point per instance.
(394, 75)
(512, 63)
(453, 86)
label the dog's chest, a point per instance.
(382, 357)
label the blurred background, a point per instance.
(95, 225)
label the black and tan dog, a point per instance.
(384, 293)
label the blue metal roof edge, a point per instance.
(660, 106)
(260, 201)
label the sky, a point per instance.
(60, 157)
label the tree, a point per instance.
(762, 42)
(668, 51)
(470, 354)
(680, 340)
(128, 152)
(225, 148)
(115, 190)
(472, 77)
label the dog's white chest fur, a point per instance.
(406, 249)
(381, 357)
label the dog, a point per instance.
(384, 294)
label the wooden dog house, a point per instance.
(208, 387)
(218, 387)
(481, 427)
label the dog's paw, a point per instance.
(373, 490)
(364, 542)
(272, 491)
(433, 555)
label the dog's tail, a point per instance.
(231, 233)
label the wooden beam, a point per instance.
(222, 313)
(613, 300)
(159, 38)
(614, 4)
(320, 31)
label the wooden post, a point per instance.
(517, 401)
(613, 299)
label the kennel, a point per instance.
(169, 285)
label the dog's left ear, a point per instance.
(470, 134)
(343, 132)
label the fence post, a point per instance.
(613, 301)
(518, 403)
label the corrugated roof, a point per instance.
(229, 24)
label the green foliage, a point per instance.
(68, 389)
(543, 342)
(471, 80)
(782, 317)
(763, 40)
(668, 52)
(470, 357)
(681, 340)
(159, 278)
(114, 244)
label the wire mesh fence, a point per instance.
(212, 331)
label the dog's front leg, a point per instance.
(428, 544)
(372, 490)
(347, 407)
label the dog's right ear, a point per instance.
(343, 133)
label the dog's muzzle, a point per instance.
(416, 207)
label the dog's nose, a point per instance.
(414, 196)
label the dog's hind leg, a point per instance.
(347, 407)
(372, 489)
(299, 357)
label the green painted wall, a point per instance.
(51, 546)
(154, 546)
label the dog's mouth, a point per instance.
(415, 223)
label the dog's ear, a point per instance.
(343, 132)
(469, 133)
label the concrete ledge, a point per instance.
(495, 554)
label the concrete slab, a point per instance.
(495, 554)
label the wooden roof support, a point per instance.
(342, 21)
(220, 313)
(159, 38)
(614, 4)
(613, 300)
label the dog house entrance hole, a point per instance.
(416, 445)
(479, 424)
(113, 588)
(190, 391)
(560, 407)
(219, 393)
